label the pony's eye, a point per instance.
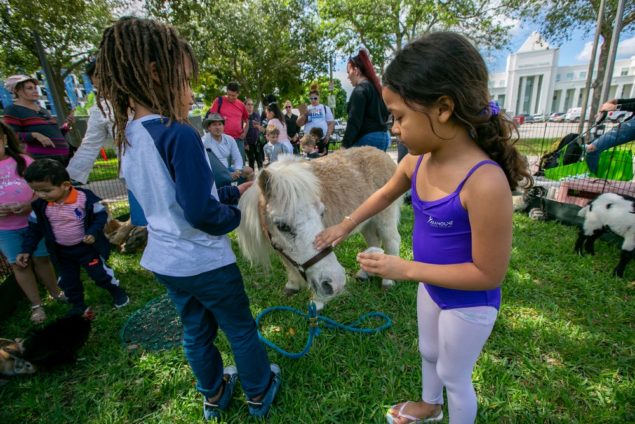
(283, 227)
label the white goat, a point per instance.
(612, 211)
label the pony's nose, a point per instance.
(327, 287)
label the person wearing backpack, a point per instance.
(233, 110)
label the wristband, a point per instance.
(351, 219)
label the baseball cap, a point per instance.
(14, 80)
(212, 117)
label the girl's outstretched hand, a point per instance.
(331, 236)
(382, 265)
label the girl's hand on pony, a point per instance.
(331, 236)
(382, 265)
(88, 239)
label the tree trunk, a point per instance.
(73, 136)
(598, 82)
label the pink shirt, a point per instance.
(234, 114)
(67, 219)
(13, 189)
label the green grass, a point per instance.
(562, 349)
(104, 169)
(535, 146)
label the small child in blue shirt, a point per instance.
(71, 221)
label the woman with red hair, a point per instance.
(367, 113)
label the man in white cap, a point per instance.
(222, 145)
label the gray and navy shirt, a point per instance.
(167, 170)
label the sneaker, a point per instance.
(38, 316)
(120, 298)
(261, 408)
(82, 310)
(213, 409)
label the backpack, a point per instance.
(219, 103)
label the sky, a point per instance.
(574, 52)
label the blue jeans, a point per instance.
(205, 302)
(379, 139)
(618, 135)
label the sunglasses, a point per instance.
(314, 98)
(287, 107)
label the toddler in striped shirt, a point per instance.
(71, 221)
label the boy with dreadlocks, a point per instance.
(167, 170)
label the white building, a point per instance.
(534, 83)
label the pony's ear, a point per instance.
(264, 180)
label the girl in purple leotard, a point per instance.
(462, 167)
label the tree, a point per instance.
(557, 19)
(385, 26)
(268, 46)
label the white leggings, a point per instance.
(450, 342)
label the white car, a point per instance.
(539, 118)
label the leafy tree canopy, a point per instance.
(385, 26)
(268, 46)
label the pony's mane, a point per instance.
(291, 182)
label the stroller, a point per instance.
(570, 148)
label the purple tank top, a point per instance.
(442, 235)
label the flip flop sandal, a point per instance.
(390, 419)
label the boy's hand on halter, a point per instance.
(88, 239)
(382, 265)
(244, 186)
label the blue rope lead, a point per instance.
(314, 330)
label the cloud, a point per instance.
(625, 49)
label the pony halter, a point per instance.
(301, 268)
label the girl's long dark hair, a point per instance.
(447, 64)
(127, 53)
(13, 148)
(273, 106)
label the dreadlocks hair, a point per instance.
(143, 61)
(446, 64)
(12, 147)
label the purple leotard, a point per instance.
(442, 235)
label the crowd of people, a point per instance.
(459, 163)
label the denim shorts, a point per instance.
(11, 244)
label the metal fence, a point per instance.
(568, 184)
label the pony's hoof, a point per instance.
(290, 292)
